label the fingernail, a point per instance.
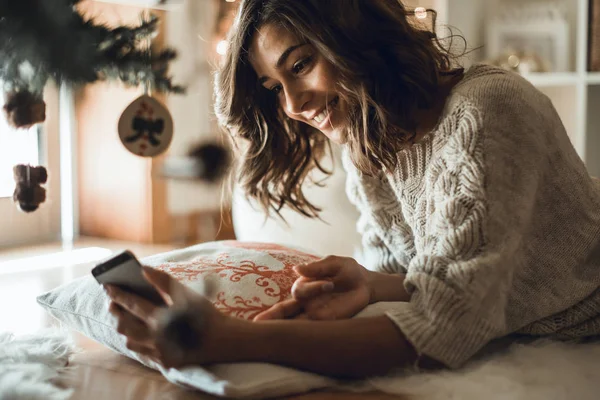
(327, 287)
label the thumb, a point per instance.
(318, 270)
(169, 288)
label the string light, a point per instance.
(421, 12)
(222, 47)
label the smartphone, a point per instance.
(125, 271)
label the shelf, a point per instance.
(574, 92)
(593, 78)
(159, 4)
(542, 79)
(562, 78)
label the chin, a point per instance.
(337, 136)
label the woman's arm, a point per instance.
(387, 287)
(354, 348)
(349, 348)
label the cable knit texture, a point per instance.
(493, 218)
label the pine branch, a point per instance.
(58, 43)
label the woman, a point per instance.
(478, 216)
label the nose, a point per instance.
(296, 100)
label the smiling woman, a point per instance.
(452, 171)
(303, 81)
(301, 60)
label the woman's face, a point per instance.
(303, 81)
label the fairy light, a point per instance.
(222, 47)
(421, 12)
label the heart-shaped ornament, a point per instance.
(146, 127)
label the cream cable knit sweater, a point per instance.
(494, 219)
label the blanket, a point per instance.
(541, 370)
(30, 365)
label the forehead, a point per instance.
(267, 45)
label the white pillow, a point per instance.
(82, 305)
(334, 234)
(537, 371)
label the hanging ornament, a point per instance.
(24, 109)
(146, 127)
(29, 193)
(43, 40)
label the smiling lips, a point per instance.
(322, 116)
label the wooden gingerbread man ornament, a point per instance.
(146, 127)
(29, 193)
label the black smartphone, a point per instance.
(125, 271)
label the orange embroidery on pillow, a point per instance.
(276, 248)
(245, 287)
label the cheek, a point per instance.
(325, 77)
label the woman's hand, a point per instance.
(144, 323)
(332, 288)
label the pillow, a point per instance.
(248, 278)
(334, 232)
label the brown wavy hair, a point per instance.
(388, 68)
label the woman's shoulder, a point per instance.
(494, 105)
(502, 110)
(487, 75)
(494, 90)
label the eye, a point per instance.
(301, 65)
(276, 89)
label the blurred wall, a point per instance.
(118, 195)
(189, 29)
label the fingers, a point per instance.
(136, 305)
(130, 326)
(331, 307)
(282, 310)
(166, 285)
(143, 350)
(304, 290)
(323, 313)
(319, 308)
(325, 268)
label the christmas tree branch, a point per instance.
(41, 39)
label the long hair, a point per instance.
(388, 68)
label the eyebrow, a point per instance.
(284, 56)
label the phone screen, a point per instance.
(125, 271)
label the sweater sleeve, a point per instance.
(376, 255)
(481, 191)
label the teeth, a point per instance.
(319, 118)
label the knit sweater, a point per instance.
(494, 220)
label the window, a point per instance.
(17, 146)
(36, 146)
